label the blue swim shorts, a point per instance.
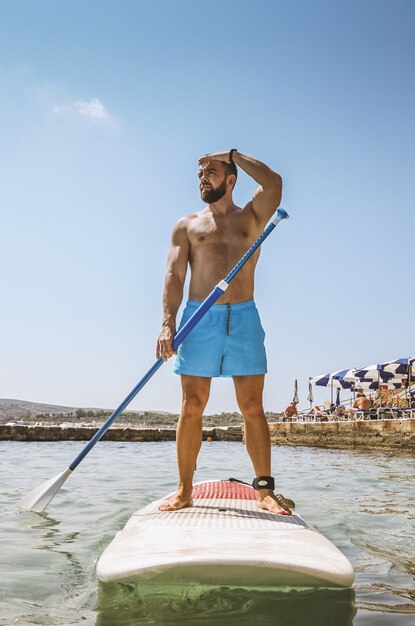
(228, 341)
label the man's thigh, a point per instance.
(249, 389)
(196, 388)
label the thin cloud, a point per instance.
(93, 110)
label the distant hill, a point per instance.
(18, 409)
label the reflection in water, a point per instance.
(128, 604)
(52, 538)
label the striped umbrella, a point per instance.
(404, 367)
(347, 376)
(330, 380)
(401, 367)
(394, 383)
(374, 374)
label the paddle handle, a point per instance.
(214, 295)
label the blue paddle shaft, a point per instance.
(214, 295)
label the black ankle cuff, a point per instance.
(264, 482)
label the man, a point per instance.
(291, 410)
(362, 403)
(228, 341)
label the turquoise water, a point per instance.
(363, 501)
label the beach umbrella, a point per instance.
(404, 367)
(391, 384)
(295, 398)
(346, 375)
(338, 398)
(401, 367)
(372, 374)
(394, 383)
(330, 380)
(310, 393)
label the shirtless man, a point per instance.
(229, 340)
(362, 403)
(291, 410)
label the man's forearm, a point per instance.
(257, 170)
(172, 298)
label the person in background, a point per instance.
(291, 410)
(362, 403)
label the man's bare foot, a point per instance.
(275, 504)
(178, 501)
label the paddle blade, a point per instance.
(38, 499)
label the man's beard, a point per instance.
(211, 195)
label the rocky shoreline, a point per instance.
(387, 434)
(116, 433)
(379, 434)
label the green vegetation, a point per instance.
(142, 419)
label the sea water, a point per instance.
(364, 502)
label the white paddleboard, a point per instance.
(223, 539)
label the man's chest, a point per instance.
(206, 232)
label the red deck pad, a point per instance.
(223, 489)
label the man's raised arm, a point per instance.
(266, 199)
(173, 288)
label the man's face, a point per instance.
(212, 181)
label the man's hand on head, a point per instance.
(215, 156)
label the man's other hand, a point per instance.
(216, 156)
(164, 347)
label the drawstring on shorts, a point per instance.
(228, 319)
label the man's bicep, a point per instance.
(179, 252)
(266, 199)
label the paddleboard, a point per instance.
(223, 539)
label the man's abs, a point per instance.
(241, 289)
(216, 245)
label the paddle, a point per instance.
(38, 499)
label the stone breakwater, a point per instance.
(378, 434)
(116, 433)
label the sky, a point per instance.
(105, 108)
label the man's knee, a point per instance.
(193, 404)
(195, 395)
(249, 390)
(251, 407)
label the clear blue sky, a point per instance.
(105, 108)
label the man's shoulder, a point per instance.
(186, 220)
(192, 216)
